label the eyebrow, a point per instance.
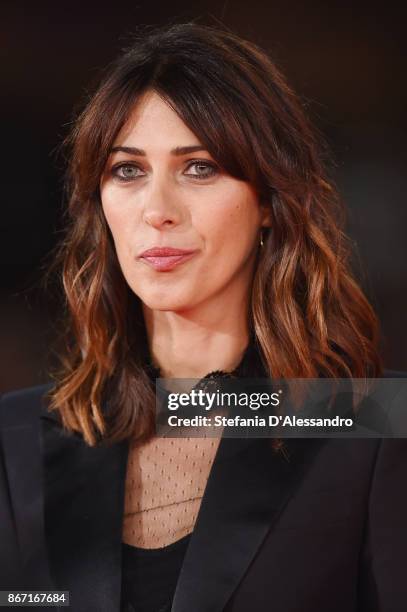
(177, 151)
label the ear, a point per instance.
(266, 220)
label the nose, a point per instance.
(162, 206)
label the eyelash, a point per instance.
(202, 162)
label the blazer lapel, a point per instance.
(248, 487)
(83, 502)
(23, 474)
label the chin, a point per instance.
(165, 303)
(165, 294)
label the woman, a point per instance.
(204, 240)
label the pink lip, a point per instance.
(164, 259)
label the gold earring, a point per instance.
(261, 238)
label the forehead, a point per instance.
(154, 124)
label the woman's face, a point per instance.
(162, 190)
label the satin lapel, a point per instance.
(248, 488)
(84, 498)
(22, 455)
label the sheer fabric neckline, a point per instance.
(166, 477)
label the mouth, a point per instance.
(164, 259)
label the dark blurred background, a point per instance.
(347, 62)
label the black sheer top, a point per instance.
(150, 576)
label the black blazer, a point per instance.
(323, 530)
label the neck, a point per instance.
(189, 345)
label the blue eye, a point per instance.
(126, 172)
(204, 169)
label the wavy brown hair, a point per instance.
(308, 315)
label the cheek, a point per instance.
(231, 222)
(119, 221)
